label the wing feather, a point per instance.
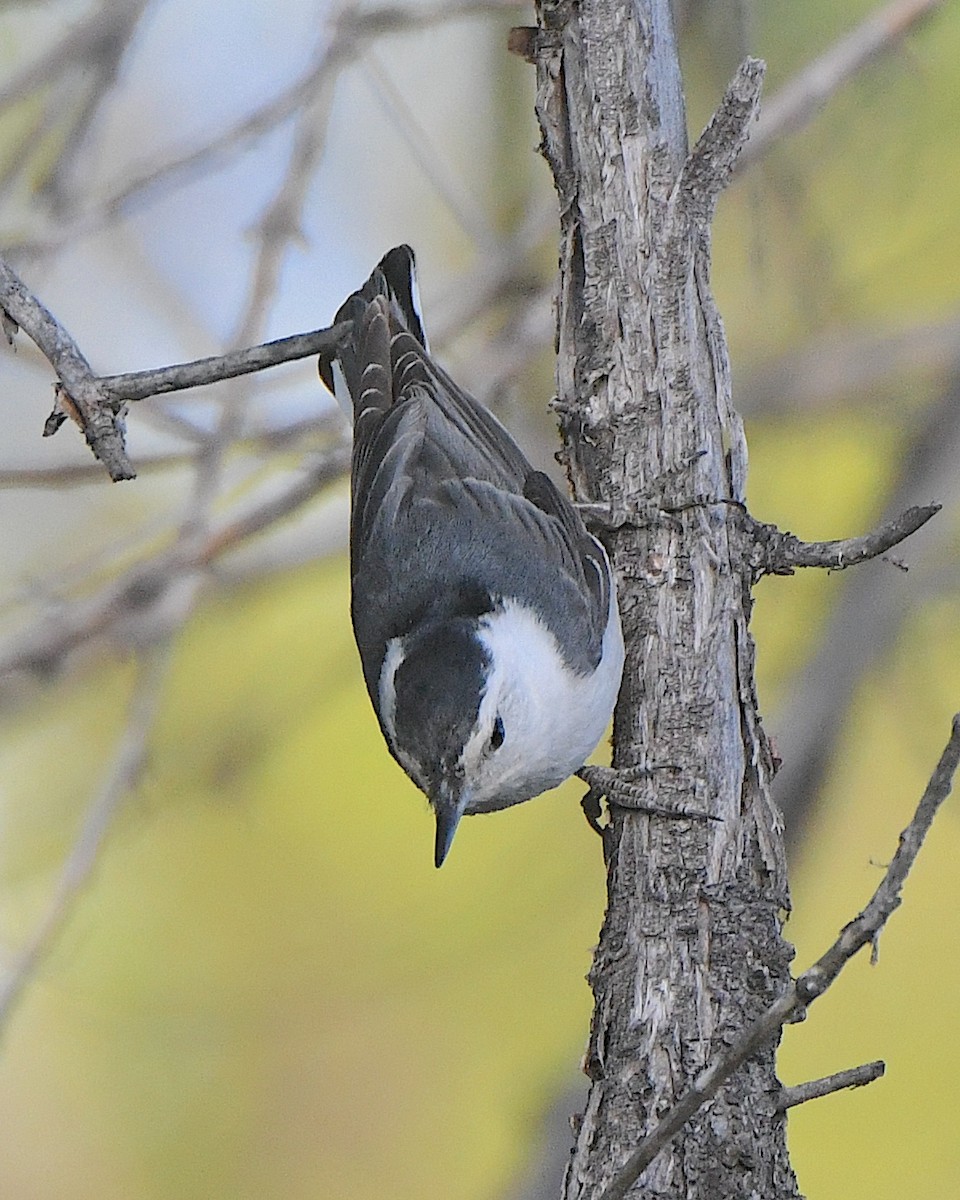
(434, 472)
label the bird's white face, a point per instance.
(538, 720)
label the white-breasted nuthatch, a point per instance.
(484, 612)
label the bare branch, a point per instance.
(121, 778)
(813, 1090)
(139, 385)
(110, 392)
(711, 162)
(864, 930)
(781, 553)
(95, 403)
(886, 899)
(800, 100)
(79, 393)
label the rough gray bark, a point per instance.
(691, 947)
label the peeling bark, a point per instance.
(691, 947)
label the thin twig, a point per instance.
(119, 782)
(139, 385)
(863, 930)
(802, 98)
(779, 553)
(814, 1089)
(99, 399)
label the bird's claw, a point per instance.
(619, 786)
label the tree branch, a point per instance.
(854, 1077)
(779, 553)
(711, 162)
(96, 402)
(139, 385)
(79, 393)
(865, 929)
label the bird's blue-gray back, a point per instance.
(434, 471)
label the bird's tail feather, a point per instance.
(395, 279)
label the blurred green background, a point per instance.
(256, 984)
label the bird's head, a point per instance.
(482, 713)
(432, 691)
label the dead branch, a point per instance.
(711, 162)
(80, 394)
(814, 1089)
(863, 930)
(139, 385)
(97, 401)
(779, 553)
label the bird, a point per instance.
(484, 612)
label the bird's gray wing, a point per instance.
(479, 446)
(447, 515)
(469, 544)
(541, 491)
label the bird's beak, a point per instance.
(449, 808)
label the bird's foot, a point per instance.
(621, 788)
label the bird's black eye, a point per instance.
(497, 736)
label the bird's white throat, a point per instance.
(552, 716)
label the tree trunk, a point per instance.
(691, 946)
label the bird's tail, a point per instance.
(394, 279)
